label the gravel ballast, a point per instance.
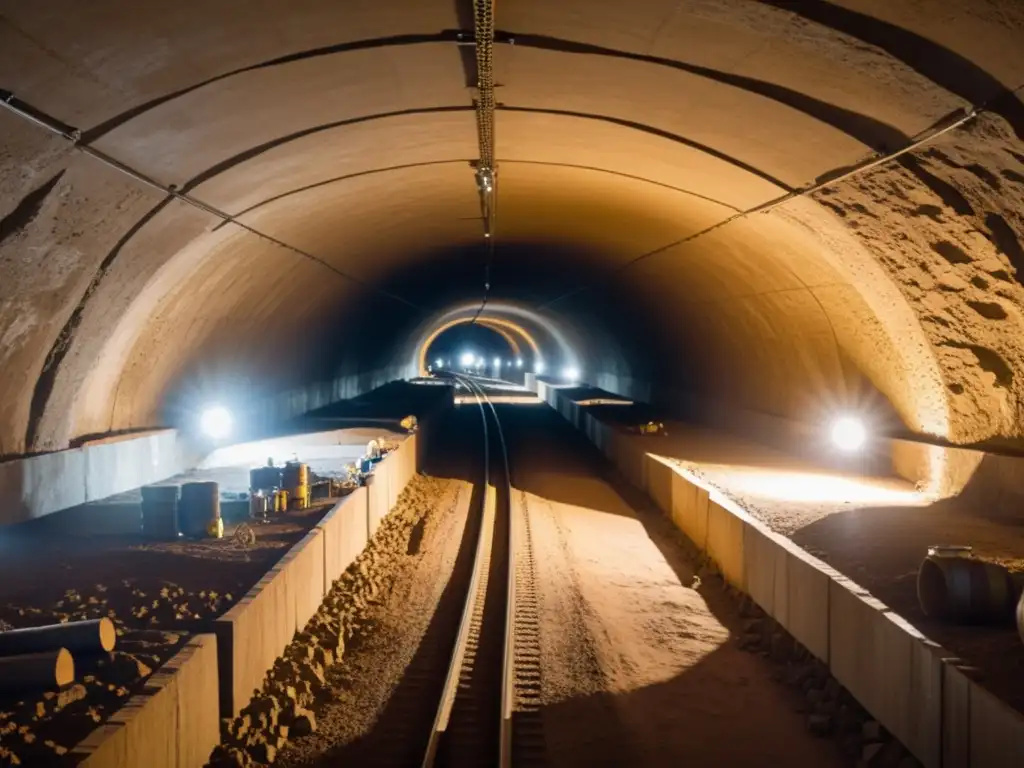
(305, 709)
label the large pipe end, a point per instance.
(108, 635)
(932, 591)
(64, 667)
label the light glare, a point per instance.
(519, 363)
(570, 373)
(439, 363)
(467, 359)
(216, 422)
(497, 362)
(848, 433)
(539, 367)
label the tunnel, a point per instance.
(782, 210)
(753, 218)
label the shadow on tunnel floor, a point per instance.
(713, 707)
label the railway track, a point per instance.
(469, 697)
(488, 713)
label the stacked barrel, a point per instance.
(200, 510)
(296, 483)
(160, 512)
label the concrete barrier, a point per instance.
(173, 723)
(725, 541)
(254, 633)
(378, 493)
(345, 535)
(911, 685)
(37, 486)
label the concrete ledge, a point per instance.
(725, 543)
(345, 535)
(40, 485)
(173, 723)
(909, 683)
(377, 495)
(305, 578)
(996, 735)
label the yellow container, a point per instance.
(296, 474)
(299, 496)
(215, 528)
(281, 501)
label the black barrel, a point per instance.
(1020, 618)
(964, 590)
(160, 512)
(90, 636)
(265, 478)
(200, 504)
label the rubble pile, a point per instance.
(296, 687)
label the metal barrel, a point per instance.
(257, 505)
(299, 496)
(281, 501)
(160, 512)
(295, 474)
(200, 505)
(1020, 617)
(265, 478)
(964, 590)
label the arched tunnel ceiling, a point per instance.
(329, 148)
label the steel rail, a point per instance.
(485, 540)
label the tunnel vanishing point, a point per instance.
(777, 209)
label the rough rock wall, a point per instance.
(56, 227)
(947, 223)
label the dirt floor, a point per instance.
(382, 699)
(875, 530)
(156, 593)
(640, 663)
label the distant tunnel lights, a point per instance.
(497, 362)
(539, 367)
(467, 359)
(519, 363)
(439, 363)
(216, 422)
(570, 373)
(848, 434)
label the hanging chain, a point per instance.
(486, 176)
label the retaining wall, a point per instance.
(36, 486)
(254, 633)
(173, 723)
(40, 485)
(913, 686)
(997, 480)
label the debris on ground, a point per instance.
(295, 690)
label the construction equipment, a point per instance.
(296, 482)
(651, 428)
(244, 535)
(199, 511)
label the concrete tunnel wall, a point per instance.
(629, 139)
